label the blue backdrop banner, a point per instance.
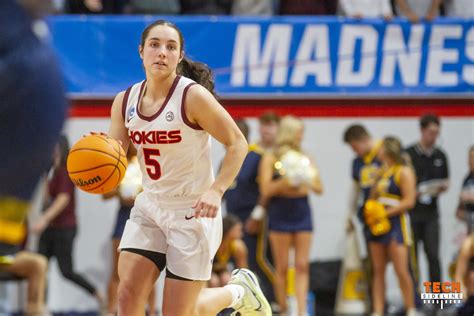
(278, 56)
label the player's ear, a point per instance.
(140, 51)
(181, 56)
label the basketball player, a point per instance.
(395, 188)
(32, 107)
(176, 222)
(289, 214)
(243, 200)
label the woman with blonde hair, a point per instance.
(386, 215)
(287, 176)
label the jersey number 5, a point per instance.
(153, 166)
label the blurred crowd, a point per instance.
(413, 10)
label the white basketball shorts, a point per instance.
(189, 244)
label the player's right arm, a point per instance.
(117, 130)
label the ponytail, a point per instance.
(197, 71)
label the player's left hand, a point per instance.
(208, 204)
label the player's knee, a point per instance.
(282, 270)
(38, 265)
(202, 309)
(302, 266)
(41, 264)
(378, 269)
(127, 294)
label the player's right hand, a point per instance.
(102, 134)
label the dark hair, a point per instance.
(197, 71)
(63, 147)
(269, 117)
(244, 127)
(428, 119)
(228, 222)
(355, 132)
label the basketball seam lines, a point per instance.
(104, 165)
(105, 140)
(105, 153)
(108, 178)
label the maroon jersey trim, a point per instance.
(163, 106)
(183, 110)
(125, 101)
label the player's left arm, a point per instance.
(240, 255)
(408, 192)
(203, 109)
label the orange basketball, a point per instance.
(96, 164)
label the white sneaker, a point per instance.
(253, 302)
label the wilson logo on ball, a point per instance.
(80, 182)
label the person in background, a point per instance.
(33, 267)
(252, 7)
(244, 201)
(365, 169)
(232, 248)
(431, 168)
(416, 10)
(465, 274)
(57, 225)
(465, 210)
(307, 7)
(367, 8)
(213, 7)
(93, 6)
(33, 108)
(287, 176)
(126, 193)
(459, 8)
(395, 193)
(169, 7)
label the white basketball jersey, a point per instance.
(174, 154)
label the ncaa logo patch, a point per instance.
(169, 116)
(131, 114)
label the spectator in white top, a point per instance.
(415, 10)
(459, 8)
(252, 7)
(367, 8)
